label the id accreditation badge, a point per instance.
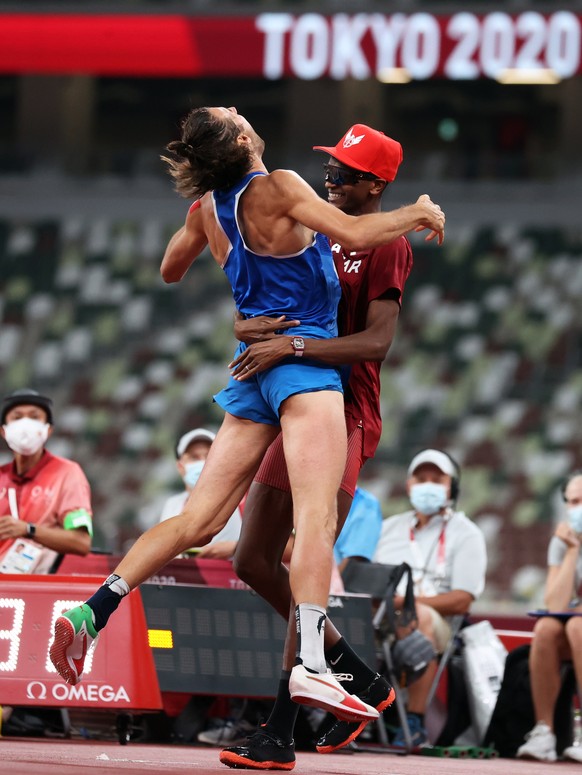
(22, 557)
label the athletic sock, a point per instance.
(281, 721)
(343, 659)
(105, 601)
(310, 621)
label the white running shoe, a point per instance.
(323, 690)
(540, 744)
(573, 752)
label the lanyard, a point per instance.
(422, 563)
(13, 503)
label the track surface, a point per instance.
(25, 756)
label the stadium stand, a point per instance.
(484, 364)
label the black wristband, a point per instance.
(30, 529)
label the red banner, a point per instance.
(120, 674)
(418, 46)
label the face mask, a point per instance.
(575, 518)
(193, 471)
(26, 436)
(428, 498)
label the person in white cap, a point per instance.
(447, 554)
(192, 450)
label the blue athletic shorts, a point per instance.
(260, 397)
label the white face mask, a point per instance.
(26, 436)
(575, 518)
(193, 471)
(428, 498)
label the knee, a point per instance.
(184, 532)
(425, 620)
(313, 521)
(547, 633)
(192, 534)
(548, 641)
(242, 566)
(574, 632)
(252, 569)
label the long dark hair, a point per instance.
(208, 156)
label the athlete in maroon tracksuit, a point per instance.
(372, 283)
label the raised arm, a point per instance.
(354, 232)
(184, 247)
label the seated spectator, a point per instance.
(45, 501)
(34, 530)
(191, 452)
(361, 530)
(447, 554)
(557, 639)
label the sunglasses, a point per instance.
(342, 176)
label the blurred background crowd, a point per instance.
(486, 359)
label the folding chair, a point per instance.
(372, 578)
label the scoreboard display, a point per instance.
(222, 641)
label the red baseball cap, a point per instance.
(367, 150)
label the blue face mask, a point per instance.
(193, 471)
(428, 498)
(575, 518)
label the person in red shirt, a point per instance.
(45, 500)
(372, 281)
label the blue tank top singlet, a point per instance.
(302, 286)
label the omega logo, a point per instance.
(36, 691)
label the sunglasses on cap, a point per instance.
(342, 176)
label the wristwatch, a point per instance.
(298, 344)
(30, 529)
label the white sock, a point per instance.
(117, 584)
(310, 620)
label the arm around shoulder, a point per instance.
(356, 232)
(378, 229)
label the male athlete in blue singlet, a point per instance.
(262, 229)
(305, 283)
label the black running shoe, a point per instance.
(379, 694)
(263, 751)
